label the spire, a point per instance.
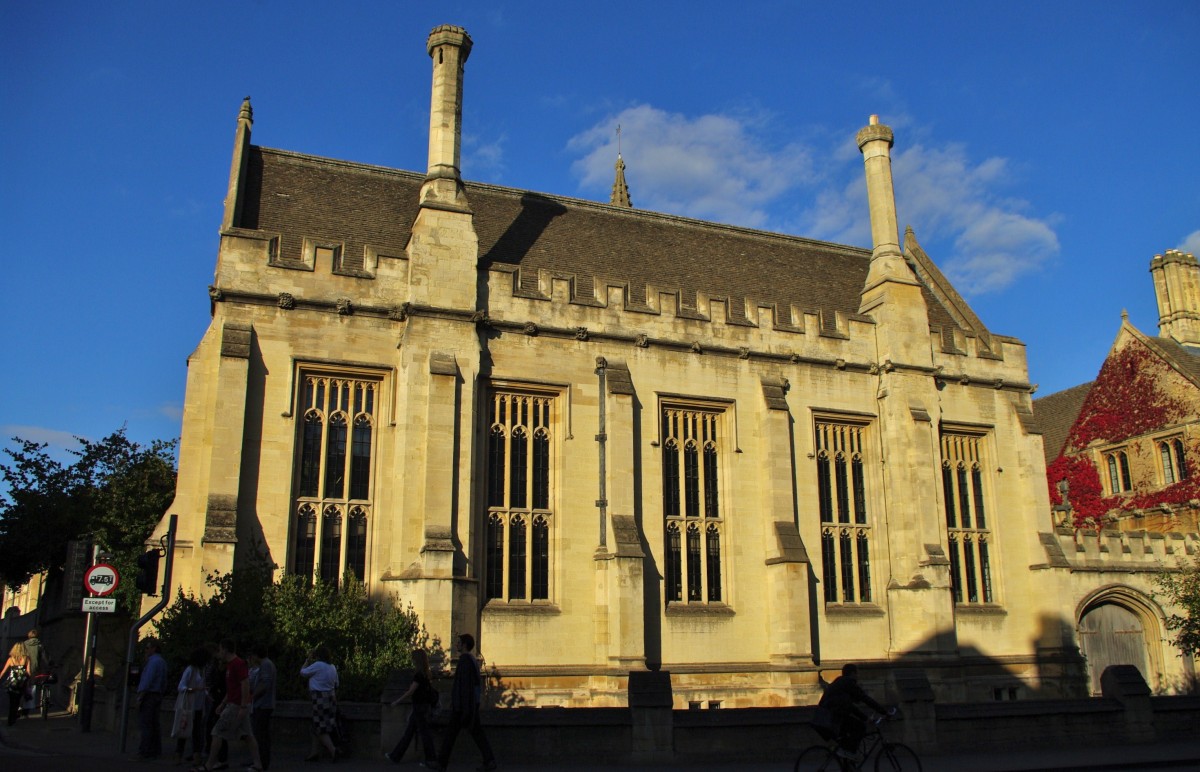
(620, 191)
(237, 170)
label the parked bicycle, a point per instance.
(41, 684)
(889, 756)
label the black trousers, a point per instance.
(418, 722)
(260, 723)
(148, 722)
(470, 722)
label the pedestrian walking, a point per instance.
(214, 695)
(150, 690)
(424, 698)
(189, 708)
(262, 692)
(39, 664)
(322, 689)
(15, 678)
(465, 697)
(233, 714)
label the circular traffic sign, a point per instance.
(101, 579)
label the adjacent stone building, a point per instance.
(1124, 468)
(607, 440)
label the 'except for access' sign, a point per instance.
(103, 605)
(101, 579)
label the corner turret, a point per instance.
(1177, 289)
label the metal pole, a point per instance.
(133, 631)
(88, 684)
(602, 439)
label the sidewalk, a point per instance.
(34, 745)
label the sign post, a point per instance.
(101, 581)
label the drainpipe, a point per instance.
(602, 439)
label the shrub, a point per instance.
(369, 640)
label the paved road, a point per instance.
(57, 744)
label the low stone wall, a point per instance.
(647, 733)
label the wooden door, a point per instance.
(1112, 635)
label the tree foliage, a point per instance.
(1182, 590)
(369, 640)
(114, 493)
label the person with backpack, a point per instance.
(15, 677)
(424, 699)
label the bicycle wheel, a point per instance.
(817, 757)
(44, 700)
(896, 757)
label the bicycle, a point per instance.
(42, 683)
(889, 756)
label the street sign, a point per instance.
(101, 579)
(103, 605)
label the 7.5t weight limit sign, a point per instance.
(101, 579)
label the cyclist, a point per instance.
(843, 720)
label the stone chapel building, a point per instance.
(606, 440)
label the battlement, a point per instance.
(1118, 551)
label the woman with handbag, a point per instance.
(15, 678)
(189, 708)
(424, 699)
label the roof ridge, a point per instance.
(615, 210)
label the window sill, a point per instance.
(682, 609)
(521, 608)
(980, 609)
(852, 610)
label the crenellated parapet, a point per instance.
(1118, 551)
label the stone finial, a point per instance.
(620, 190)
(246, 113)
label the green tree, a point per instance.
(369, 640)
(115, 492)
(1182, 589)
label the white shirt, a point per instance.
(322, 676)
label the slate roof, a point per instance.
(302, 196)
(1185, 358)
(1056, 414)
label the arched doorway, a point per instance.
(1119, 627)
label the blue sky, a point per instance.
(1045, 151)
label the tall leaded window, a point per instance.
(691, 451)
(1174, 464)
(967, 528)
(842, 503)
(519, 515)
(336, 444)
(1117, 464)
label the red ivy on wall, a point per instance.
(1126, 401)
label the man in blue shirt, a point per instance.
(262, 692)
(151, 687)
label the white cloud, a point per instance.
(950, 200)
(484, 159)
(712, 167)
(1191, 243)
(39, 434)
(719, 167)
